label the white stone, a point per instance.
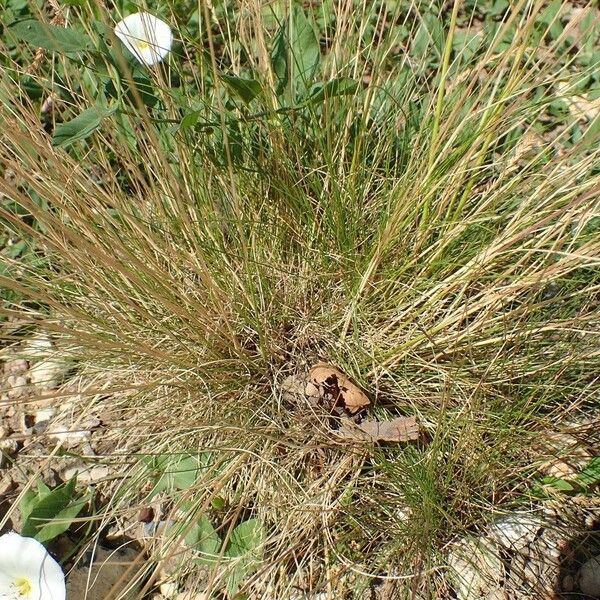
(8, 449)
(48, 370)
(16, 366)
(169, 589)
(589, 577)
(47, 373)
(75, 434)
(44, 414)
(475, 570)
(515, 531)
(38, 345)
(17, 384)
(87, 474)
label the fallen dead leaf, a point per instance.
(339, 385)
(401, 429)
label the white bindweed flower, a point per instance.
(149, 39)
(27, 571)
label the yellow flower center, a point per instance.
(142, 45)
(23, 586)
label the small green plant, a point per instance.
(584, 482)
(171, 472)
(589, 478)
(240, 553)
(46, 512)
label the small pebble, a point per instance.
(17, 384)
(44, 414)
(40, 427)
(168, 589)
(87, 475)
(38, 345)
(589, 577)
(21, 423)
(8, 450)
(516, 531)
(47, 373)
(146, 515)
(568, 583)
(16, 366)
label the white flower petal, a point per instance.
(10, 545)
(148, 38)
(26, 558)
(5, 582)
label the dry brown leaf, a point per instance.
(338, 384)
(401, 429)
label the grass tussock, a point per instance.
(426, 233)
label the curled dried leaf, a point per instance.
(339, 385)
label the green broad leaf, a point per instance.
(509, 35)
(498, 7)
(342, 86)
(30, 498)
(246, 538)
(245, 547)
(205, 540)
(218, 503)
(305, 52)
(17, 249)
(145, 89)
(466, 44)
(47, 513)
(190, 119)
(549, 18)
(589, 31)
(246, 89)
(61, 520)
(429, 34)
(279, 61)
(235, 142)
(50, 37)
(16, 5)
(591, 473)
(81, 127)
(177, 471)
(31, 87)
(558, 484)
(591, 133)
(559, 108)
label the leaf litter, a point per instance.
(327, 387)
